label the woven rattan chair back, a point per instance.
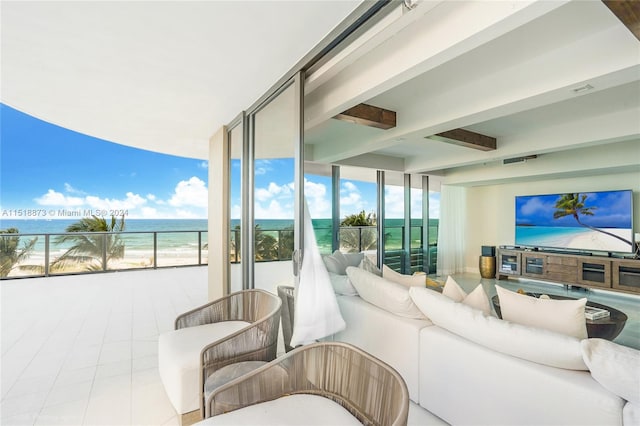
(368, 388)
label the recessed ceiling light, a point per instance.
(582, 88)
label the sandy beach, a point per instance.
(133, 259)
(600, 241)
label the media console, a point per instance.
(584, 270)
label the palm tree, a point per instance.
(363, 238)
(359, 219)
(285, 243)
(574, 205)
(266, 245)
(89, 247)
(10, 254)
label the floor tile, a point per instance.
(29, 385)
(117, 368)
(61, 394)
(70, 413)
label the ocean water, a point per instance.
(138, 236)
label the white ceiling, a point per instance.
(158, 75)
(512, 79)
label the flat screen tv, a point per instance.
(581, 221)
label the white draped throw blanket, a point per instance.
(317, 314)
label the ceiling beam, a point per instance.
(467, 139)
(369, 115)
(628, 12)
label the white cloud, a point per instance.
(316, 195)
(274, 210)
(192, 192)
(203, 165)
(151, 197)
(186, 214)
(394, 201)
(53, 198)
(273, 190)
(534, 205)
(70, 189)
(236, 212)
(131, 201)
(149, 213)
(349, 186)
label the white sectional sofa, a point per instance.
(468, 368)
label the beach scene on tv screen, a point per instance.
(590, 221)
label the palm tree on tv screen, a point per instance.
(574, 205)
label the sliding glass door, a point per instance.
(275, 188)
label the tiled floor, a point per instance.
(83, 349)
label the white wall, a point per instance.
(218, 216)
(491, 209)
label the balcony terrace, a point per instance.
(82, 349)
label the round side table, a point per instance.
(487, 265)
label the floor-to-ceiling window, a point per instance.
(395, 250)
(358, 207)
(274, 175)
(434, 220)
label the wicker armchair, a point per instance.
(370, 390)
(242, 326)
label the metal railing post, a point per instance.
(104, 251)
(155, 250)
(47, 253)
(199, 247)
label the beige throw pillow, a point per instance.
(560, 316)
(477, 299)
(405, 280)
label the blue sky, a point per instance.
(49, 169)
(612, 209)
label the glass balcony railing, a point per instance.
(38, 255)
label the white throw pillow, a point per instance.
(336, 263)
(353, 259)
(405, 280)
(615, 367)
(369, 266)
(385, 294)
(342, 285)
(476, 299)
(561, 316)
(529, 343)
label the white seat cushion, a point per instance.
(179, 360)
(300, 409)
